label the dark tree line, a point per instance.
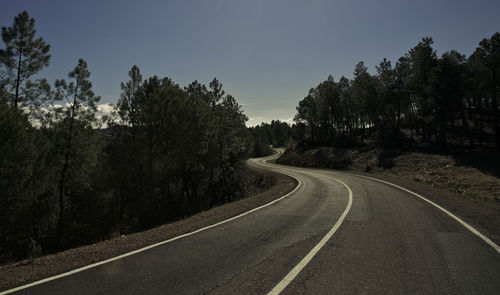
(178, 151)
(432, 97)
(274, 134)
(169, 153)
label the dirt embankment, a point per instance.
(467, 184)
(450, 172)
(265, 187)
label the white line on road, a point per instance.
(299, 183)
(466, 225)
(296, 270)
(463, 223)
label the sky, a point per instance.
(266, 53)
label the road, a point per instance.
(336, 233)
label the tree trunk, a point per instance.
(18, 80)
(362, 127)
(398, 124)
(62, 179)
(465, 125)
(495, 111)
(481, 121)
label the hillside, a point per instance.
(471, 175)
(467, 183)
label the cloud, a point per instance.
(104, 111)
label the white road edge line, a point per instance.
(299, 183)
(463, 223)
(296, 270)
(469, 227)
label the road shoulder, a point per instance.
(483, 215)
(19, 273)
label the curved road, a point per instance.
(336, 233)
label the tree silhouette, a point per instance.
(23, 56)
(73, 125)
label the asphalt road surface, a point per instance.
(337, 233)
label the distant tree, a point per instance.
(328, 101)
(77, 142)
(123, 151)
(364, 96)
(402, 71)
(23, 57)
(265, 135)
(478, 92)
(447, 89)
(486, 60)
(230, 146)
(422, 59)
(127, 98)
(18, 161)
(281, 133)
(194, 143)
(190, 147)
(421, 92)
(349, 106)
(307, 111)
(259, 144)
(391, 97)
(215, 94)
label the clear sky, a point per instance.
(266, 53)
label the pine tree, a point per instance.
(23, 56)
(73, 125)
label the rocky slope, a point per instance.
(456, 173)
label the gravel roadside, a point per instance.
(482, 214)
(467, 187)
(19, 273)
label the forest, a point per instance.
(69, 178)
(447, 102)
(65, 180)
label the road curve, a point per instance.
(336, 233)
